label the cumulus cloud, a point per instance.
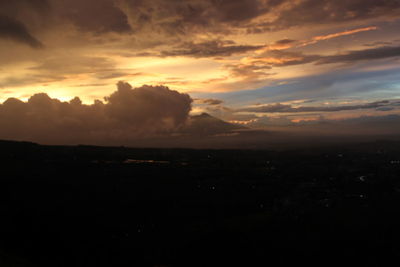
(148, 105)
(126, 114)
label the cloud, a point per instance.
(74, 65)
(315, 12)
(366, 54)
(17, 18)
(343, 83)
(93, 15)
(319, 38)
(153, 105)
(15, 8)
(283, 108)
(168, 21)
(214, 48)
(16, 31)
(282, 133)
(126, 114)
(320, 129)
(281, 44)
(284, 44)
(379, 43)
(226, 48)
(59, 68)
(209, 101)
(255, 67)
(110, 74)
(279, 58)
(250, 70)
(24, 80)
(192, 16)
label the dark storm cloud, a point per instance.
(182, 19)
(126, 114)
(14, 7)
(367, 54)
(282, 108)
(18, 18)
(152, 17)
(186, 17)
(215, 48)
(238, 10)
(16, 31)
(309, 12)
(176, 17)
(93, 15)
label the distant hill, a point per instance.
(205, 124)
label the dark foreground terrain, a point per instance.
(95, 206)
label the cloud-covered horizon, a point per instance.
(125, 114)
(158, 116)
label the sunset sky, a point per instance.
(250, 62)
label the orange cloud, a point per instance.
(288, 43)
(316, 39)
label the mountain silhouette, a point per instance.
(205, 124)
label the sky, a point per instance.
(255, 63)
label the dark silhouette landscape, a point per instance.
(119, 206)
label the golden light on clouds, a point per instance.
(240, 52)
